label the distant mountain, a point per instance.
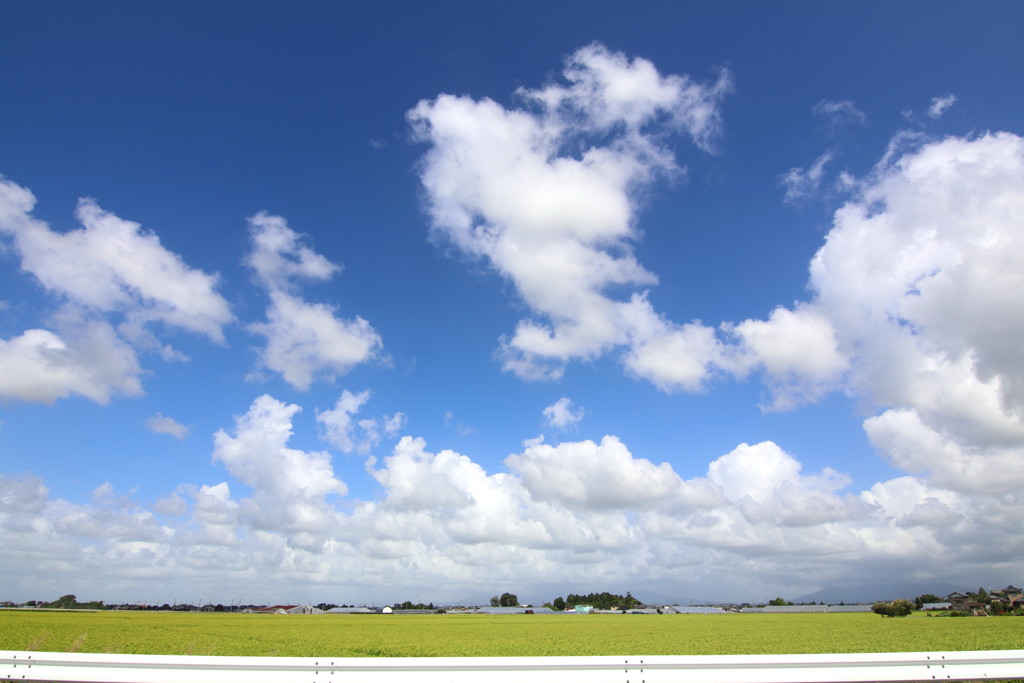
(651, 598)
(872, 592)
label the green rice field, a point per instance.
(459, 635)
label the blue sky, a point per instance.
(369, 302)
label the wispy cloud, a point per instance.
(802, 183)
(839, 113)
(160, 424)
(939, 105)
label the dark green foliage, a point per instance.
(602, 600)
(920, 600)
(505, 600)
(896, 608)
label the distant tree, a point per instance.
(508, 600)
(901, 608)
(65, 601)
(604, 600)
(495, 601)
(558, 604)
(983, 597)
(920, 600)
(778, 602)
(896, 608)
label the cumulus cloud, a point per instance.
(547, 195)
(798, 351)
(914, 309)
(572, 511)
(304, 340)
(765, 483)
(918, 278)
(290, 487)
(42, 366)
(561, 414)
(588, 475)
(279, 254)
(111, 265)
(113, 281)
(341, 430)
(160, 424)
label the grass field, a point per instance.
(480, 635)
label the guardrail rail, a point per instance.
(61, 667)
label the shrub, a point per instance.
(896, 608)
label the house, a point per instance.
(1010, 596)
(963, 603)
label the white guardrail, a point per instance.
(824, 668)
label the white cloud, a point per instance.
(560, 414)
(278, 254)
(919, 274)
(939, 105)
(304, 339)
(22, 494)
(42, 366)
(508, 185)
(337, 424)
(290, 487)
(109, 271)
(673, 357)
(840, 113)
(921, 449)
(800, 183)
(348, 435)
(765, 483)
(798, 351)
(160, 424)
(110, 265)
(561, 513)
(915, 312)
(597, 476)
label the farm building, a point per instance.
(289, 609)
(692, 609)
(797, 609)
(515, 610)
(932, 606)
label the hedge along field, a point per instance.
(459, 635)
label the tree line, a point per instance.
(596, 600)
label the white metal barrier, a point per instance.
(826, 668)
